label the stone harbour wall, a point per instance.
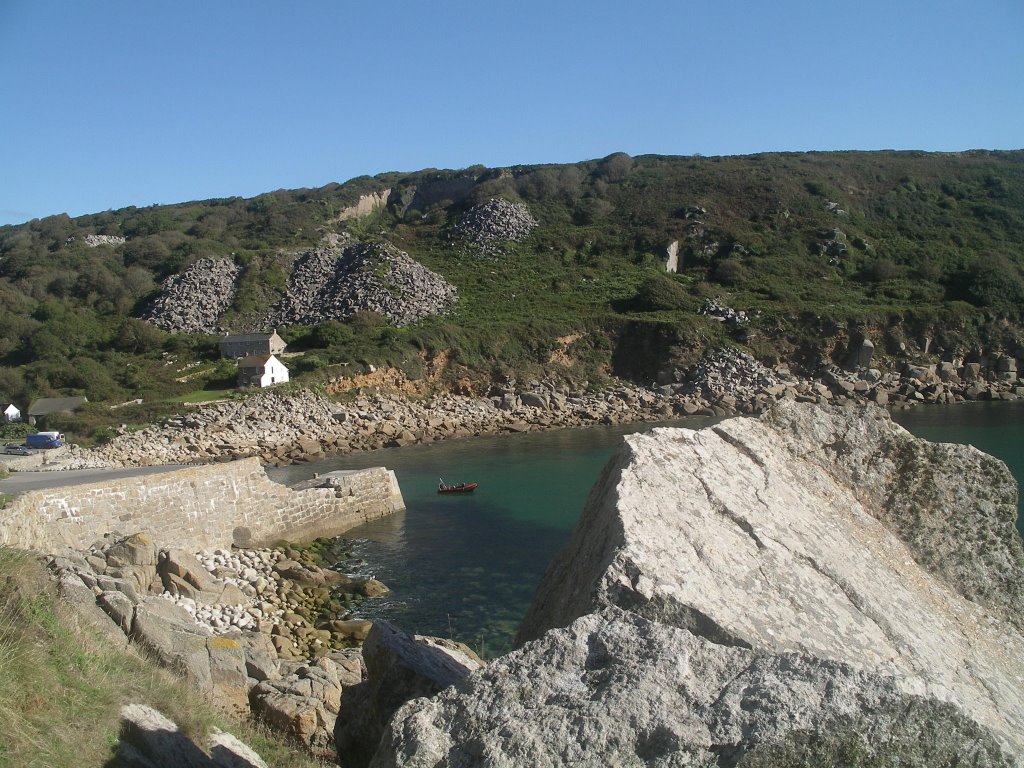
(202, 507)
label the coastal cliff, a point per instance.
(813, 585)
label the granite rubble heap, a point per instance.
(722, 313)
(365, 277)
(96, 240)
(193, 301)
(730, 372)
(796, 589)
(494, 222)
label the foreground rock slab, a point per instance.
(819, 565)
(151, 740)
(617, 689)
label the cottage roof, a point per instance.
(45, 405)
(254, 361)
(251, 337)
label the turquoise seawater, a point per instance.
(466, 566)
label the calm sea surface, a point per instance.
(466, 566)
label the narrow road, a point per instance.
(19, 482)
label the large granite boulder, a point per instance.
(815, 583)
(617, 689)
(399, 667)
(215, 664)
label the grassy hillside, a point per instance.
(814, 242)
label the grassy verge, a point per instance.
(62, 687)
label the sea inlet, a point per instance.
(465, 566)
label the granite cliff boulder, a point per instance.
(814, 585)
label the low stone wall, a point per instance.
(202, 507)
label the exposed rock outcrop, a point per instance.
(96, 240)
(803, 586)
(194, 301)
(366, 204)
(304, 702)
(399, 667)
(243, 627)
(672, 257)
(326, 285)
(430, 192)
(149, 739)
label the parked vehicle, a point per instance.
(17, 450)
(45, 440)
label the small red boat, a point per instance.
(460, 488)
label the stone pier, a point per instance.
(203, 507)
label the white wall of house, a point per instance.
(273, 373)
(12, 414)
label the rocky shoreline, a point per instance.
(275, 632)
(270, 631)
(284, 428)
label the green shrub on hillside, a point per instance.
(17, 431)
(660, 292)
(995, 282)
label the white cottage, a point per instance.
(261, 371)
(12, 414)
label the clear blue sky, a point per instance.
(109, 103)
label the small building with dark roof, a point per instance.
(44, 406)
(242, 345)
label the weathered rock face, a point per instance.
(305, 702)
(366, 204)
(617, 689)
(149, 739)
(399, 667)
(808, 581)
(193, 301)
(364, 277)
